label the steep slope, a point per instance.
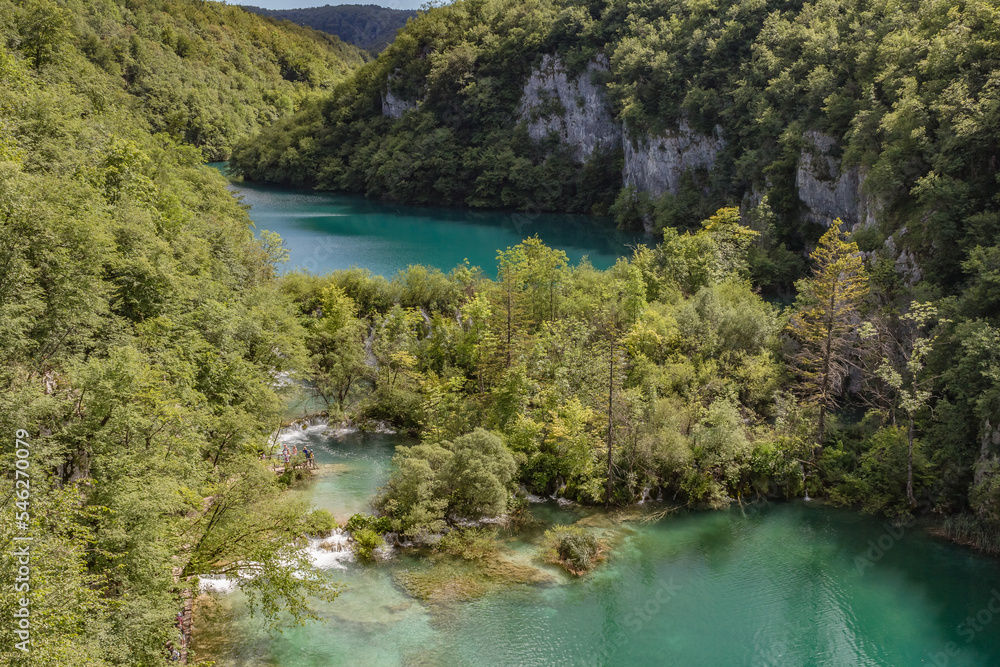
(369, 27)
(141, 331)
(203, 72)
(824, 107)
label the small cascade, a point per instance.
(216, 584)
(331, 552)
(804, 487)
(337, 542)
(428, 323)
(646, 495)
(297, 426)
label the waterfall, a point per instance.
(331, 552)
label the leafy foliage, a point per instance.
(142, 330)
(573, 547)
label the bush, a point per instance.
(366, 541)
(879, 484)
(377, 524)
(573, 547)
(319, 523)
(469, 477)
(470, 544)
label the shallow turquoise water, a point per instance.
(768, 584)
(329, 231)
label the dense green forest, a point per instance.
(665, 376)
(370, 27)
(881, 392)
(141, 329)
(145, 335)
(204, 73)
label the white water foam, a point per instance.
(295, 435)
(329, 553)
(216, 584)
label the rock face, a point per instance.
(656, 164)
(574, 108)
(393, 106)
(828, 191)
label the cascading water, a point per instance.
(646, 495)
(331, 552)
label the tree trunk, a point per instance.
(827, 358)
(611, 423)
(509, 315)
(822, 430)
(909, 466)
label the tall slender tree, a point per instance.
(907, 378)
(826, 318)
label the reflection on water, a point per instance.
(768, 584)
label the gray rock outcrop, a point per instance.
(393, 106)
(827, 189)
(905, 261)
(573, 107)
(655, 164)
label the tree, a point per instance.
(43, 29)
(825, 317)
(337, 346)
(468, 477)
(510, 278)
(543, 274)
(907, 381)
(622, 300)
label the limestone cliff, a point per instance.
(828, 190)
(655, 164)
(394, 106)
(574, 108)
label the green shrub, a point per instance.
(573, 547)
(469, 543)
(366, 541)
(378, 524)
(319, 523)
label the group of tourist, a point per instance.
(288, 454)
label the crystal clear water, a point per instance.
(328, 231)
(767, 584)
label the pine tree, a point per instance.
(826, 317)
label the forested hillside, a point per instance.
(878, 387)
(141, 330)
(881, 111)
(203, 73)
(369, 27)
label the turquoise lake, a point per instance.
(764, 585)
(328, 231)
